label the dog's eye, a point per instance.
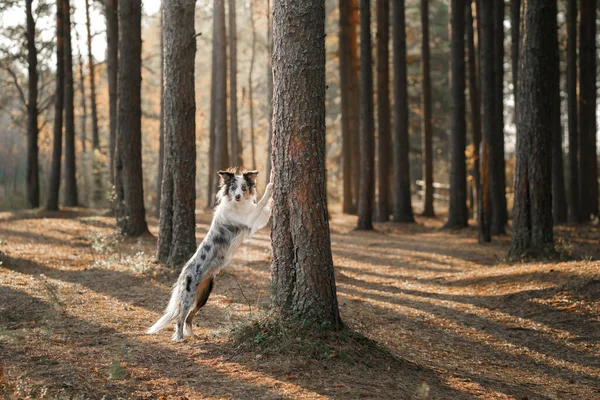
(244, 188)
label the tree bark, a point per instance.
(33, 174)
(70, 194)
(402, 211)
(532, 222)
(457, 213)
(349, 96)
(574, 210)
(251, 89)
(302, 271)
(384, 139)
(161, 139)
(269, 89)
(474, 102)
(367, 156)
(54, 184)
(221, 148)
(515, 20)
(112, 63)
(131, 215)
(210, 202)
(588, 167)
(236, 151)
(92, 67)
(176, 241)
(427, 112)
(83, 105)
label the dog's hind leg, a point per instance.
(187, 301)
(204, 289)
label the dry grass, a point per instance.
(432, 314)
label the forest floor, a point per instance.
(453, 319)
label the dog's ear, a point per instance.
(250, 177)
(226, 176)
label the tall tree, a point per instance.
(457, 212)
(161, 129)
(82, 103)
(532, 221)
(70, 196)
(426, 134)
(485, 25)
(367, 156)
(574, 210)
(402, 209)
(131, 214)
(176, 241)
(269, 88)
(236, 150)
(54, 184)
(251, 88)
(112, 64)
(474, 102)
(302, 272)
(213, 112)
(92, 68)
(515, 20)
(384, 139)
(220, 62)
(588, 167)
(33, 174)
(348, 53)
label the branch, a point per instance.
(16, 80)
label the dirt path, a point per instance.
(459, 322)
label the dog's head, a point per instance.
(237, 185)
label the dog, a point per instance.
(236, 218)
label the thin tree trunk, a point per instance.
(538, 74)
(54, 184)
(384, 139)
(402, 197)
(588, 168)
(33, 174)
(131, 215)
(83, 105)
(210, 201)
(485, 20)
(302, 271)
(457, 213)
(354, 103)
(515, 20)
(269, 89)
(91, 68)
(221, 148)
(474, 101)
(251, 89)
(427, 112)
(574, 210)
(161, 144)
(70, 194)
(367, 162)
(112, 63)
(176, 241)
(235, 157)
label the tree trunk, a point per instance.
(426, 109)
(402, 197)
(33, 174)
(112, 63)
(91, 67)
(474, 102)
(485, 21)
(269, 89)
(221, 148)
(532, 221)
(161, 139)
(349, 96)
(515, 20)
(210, 202)
(457, 213)
(302, 271)
(83, 105)
(54, 184)
(70, 196)
(367, 162)
(236, 151)
(176, 241)
(131, 215)
(588, 168)
(574, 210)
(384, 140)
(251, 89)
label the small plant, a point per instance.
(103, 244)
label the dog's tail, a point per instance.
(171, 312)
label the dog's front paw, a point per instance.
(269, 189)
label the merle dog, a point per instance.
(236, 217)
